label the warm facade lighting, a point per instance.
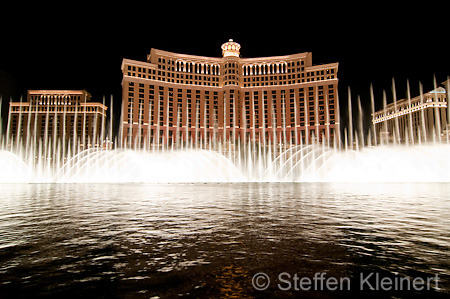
(178, 98)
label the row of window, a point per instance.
(55, 98)
(259, 74)
(163, 136)
(43, 122)
(241, 124)
(284, 116)
(60, 109)
(319, 88)
(213, 68)
(311, 94)
(188, 66)
(266, 82)
(273, 68)
(234, 80)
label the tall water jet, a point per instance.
(350, 119)
(410, 117)
(372, 102)
(360, 122)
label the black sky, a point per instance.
(82, 47)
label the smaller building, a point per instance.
(68, 115)
(420, 119)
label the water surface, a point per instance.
(208, 240)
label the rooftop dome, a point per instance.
(438, 90)
(230, 48)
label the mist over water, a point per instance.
(313, 163)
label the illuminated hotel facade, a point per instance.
(422, 118)
(68, 115)
(179, 98)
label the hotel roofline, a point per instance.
(58, 92)
(157, 52)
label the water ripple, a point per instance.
(143, 238)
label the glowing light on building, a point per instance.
(230, 48)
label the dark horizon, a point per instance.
(84, 48)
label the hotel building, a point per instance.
(57, 114)
(174, 98)
(423, 118)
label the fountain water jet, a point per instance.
(229, 158)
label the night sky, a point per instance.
(83, 47)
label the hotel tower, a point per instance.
(177, 98)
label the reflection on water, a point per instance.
(208, 240)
